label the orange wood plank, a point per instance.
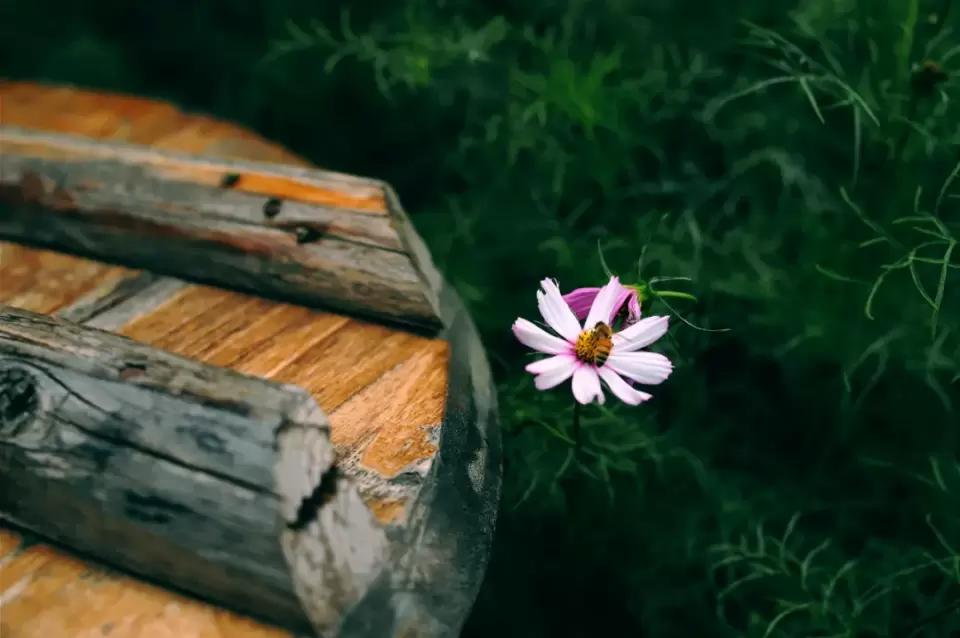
(49, 594)
(380, 386)
(45, 281)
(393, 422)
(108, 115)
(359, 353)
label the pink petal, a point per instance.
(586, 385)
(556, 312)
(553, 363)
(621, 388)
(533, 336)
(649, 368)
(605, 304)
(556, 372)
(580, 301)
(640, 334)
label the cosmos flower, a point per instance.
(593, 352)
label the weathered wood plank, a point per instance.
(439, 528)
(196, 476)
(295, 234)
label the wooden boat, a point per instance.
(236, 398)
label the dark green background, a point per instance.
(798, 475)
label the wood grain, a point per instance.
(44, 281)
(336, 359)
(412, 418)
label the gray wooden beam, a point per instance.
(309, 236)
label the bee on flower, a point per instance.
(593, 354)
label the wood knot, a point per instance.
(19, 399)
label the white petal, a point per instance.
(622, 389)
(586, 385)
(649, 368)
(556, 373)
(640, 334)
(556, 312)
(604, 303)
(533, 336)
(549, 364)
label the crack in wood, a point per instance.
(131, 370)
(180, 463)
(153, 509)
(153, 224)
(117, 440)
(322, 494)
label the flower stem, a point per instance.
(576, 426)
(675, 294)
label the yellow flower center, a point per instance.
(594, 345)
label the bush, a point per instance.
(798, 475)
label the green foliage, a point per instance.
(797, 160)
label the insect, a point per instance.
(593, 346)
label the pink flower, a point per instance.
(592, 352)
(581, 300)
